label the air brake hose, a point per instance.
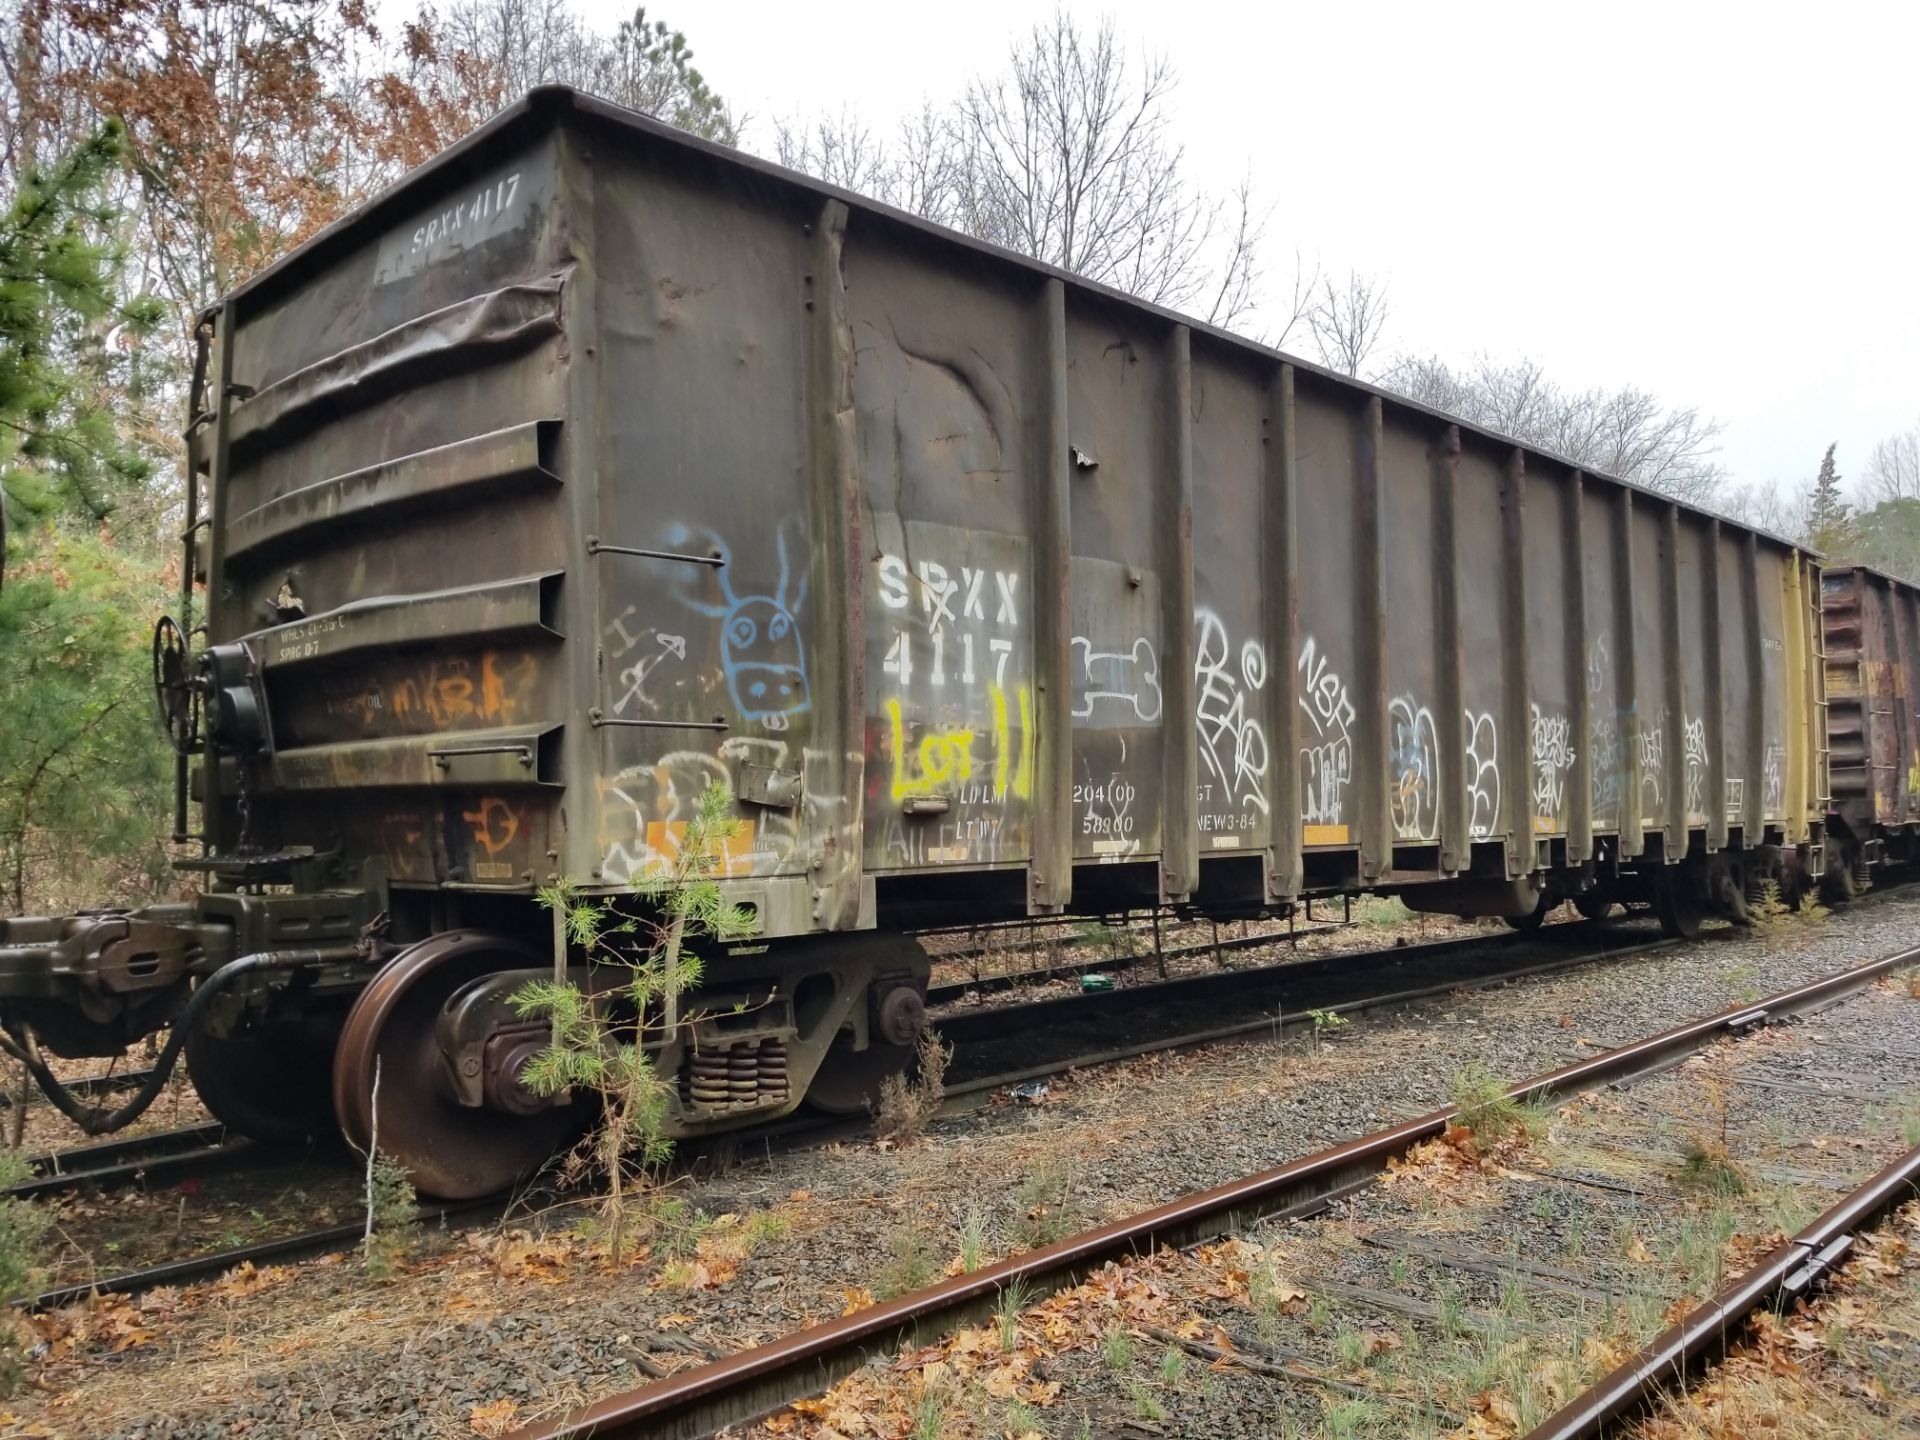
(98, 1120)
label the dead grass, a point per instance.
(908, 1103)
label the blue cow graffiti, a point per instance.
(761, 652)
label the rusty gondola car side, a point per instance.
(594, 464)
(1871, 625)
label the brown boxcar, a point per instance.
(1872, 631)
(594, 465)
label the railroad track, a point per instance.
(1791, 1271)
(1015, 1044)
(760, 1381)
(163, 1154)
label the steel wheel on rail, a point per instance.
(269, 1082)
(1594, 904)
(849, 1080)
(452, 1151)
(1678, 902)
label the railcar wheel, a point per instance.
(848, 1081)
(452, 1151)
(1678, 903)
(271, 1083)
(1526, 924)
(1593, 904)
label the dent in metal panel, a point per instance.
(464, 334)
(501, 225)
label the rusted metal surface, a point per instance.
(684, 469)
(1871, 625)
(754, 1382)
(1665, 1366)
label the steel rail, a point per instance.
(1682, 1350)
(117, 1162)
(950, 990)
(758, 1381)
(308, 1243)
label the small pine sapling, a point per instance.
(602, 1034)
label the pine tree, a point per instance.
(1829, 518)
(60, 446)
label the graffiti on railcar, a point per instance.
(1116, 687)
(966, 765)
(1551, 735)
(1605, 754)
(1413, 759)
(490, 834)
(951, 733)
(1606, 758)
(433, 693)
(1650, 739)
(623, 637)
(1773, 781)
(1483, 774)
(1693, 737)
(1326, 760)
(644, 811)
(762, 654)
(1233, 742)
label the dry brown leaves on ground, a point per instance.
(1789, 1380)
(1000, 1362)
(493, 1419)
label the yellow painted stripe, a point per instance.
(1323, 835)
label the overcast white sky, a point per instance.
(1718, 202)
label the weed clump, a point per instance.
(1707, 1163)
(1045, 1198)
(912, 1266)
(908, 1103)
(1487, 1113)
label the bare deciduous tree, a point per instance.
(1065, 155)
(1346, 320)
(1893, 469)
(1626, 432)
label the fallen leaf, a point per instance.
(855, 1297)
(494, 1418)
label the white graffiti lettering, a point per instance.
(1232, 741)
